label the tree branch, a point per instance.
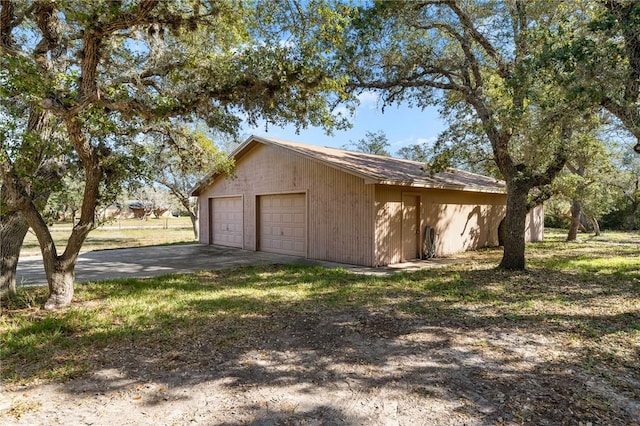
(92, 41)
(472, 61)
(44, 13)
(628, 115)
(6, 22)
(467, 23)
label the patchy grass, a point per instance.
(119, 234)
(582, 299)
(589, 291)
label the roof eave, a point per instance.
(205, 181)
(463, 188)
(370, 179)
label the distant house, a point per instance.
(111, 211)
(138, 208)
(142, 210)
(349, 207)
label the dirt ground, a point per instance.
(350, 368)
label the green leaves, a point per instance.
(120, 69)
(373, 143)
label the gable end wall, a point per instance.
(340, 206)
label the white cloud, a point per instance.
(369, 99)
(414, 141)
(426, 141)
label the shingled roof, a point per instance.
(376, 169)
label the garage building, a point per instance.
(349, 207)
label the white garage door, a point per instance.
(226, 221)
(283, 224)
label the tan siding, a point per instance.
(340, 214)
(388, 225)
(534, 230)
(410, 227)
(462, 220)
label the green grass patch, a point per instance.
(587, 293)
(119, 234)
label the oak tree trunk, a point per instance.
(596, 226)
(194, 223)
(13, 228)
(192, 209)
(585, 223)
(13, 224)
(501, 233)
(56, 270)
(60, 277)
(59, 269)
(515, 220)
(576, 212)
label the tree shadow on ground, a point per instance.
(482, 346)
(327, 416)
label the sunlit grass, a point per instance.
(119, 234)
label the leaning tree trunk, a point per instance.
(633, 213)
(184, 200)
(13, 224)
(586, 223)
(596, 226)
(13, 228)
(193, 213)
(515, 221)
(59, 270)
(194, 223)
(576, 212)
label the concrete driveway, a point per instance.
(144, 262)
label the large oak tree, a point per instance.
(108, 71)
(477, 57)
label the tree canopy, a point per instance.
(109, 71)
(475, 57)
(179, 160)
(595, 47)
(373, 143)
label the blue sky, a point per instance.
(402, 125)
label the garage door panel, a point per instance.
(226, 221)
(283, 224)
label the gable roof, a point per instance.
(374, 169)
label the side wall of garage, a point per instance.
(339, 214)
(535, 224)
(461, 220)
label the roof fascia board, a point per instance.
(449, 187)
